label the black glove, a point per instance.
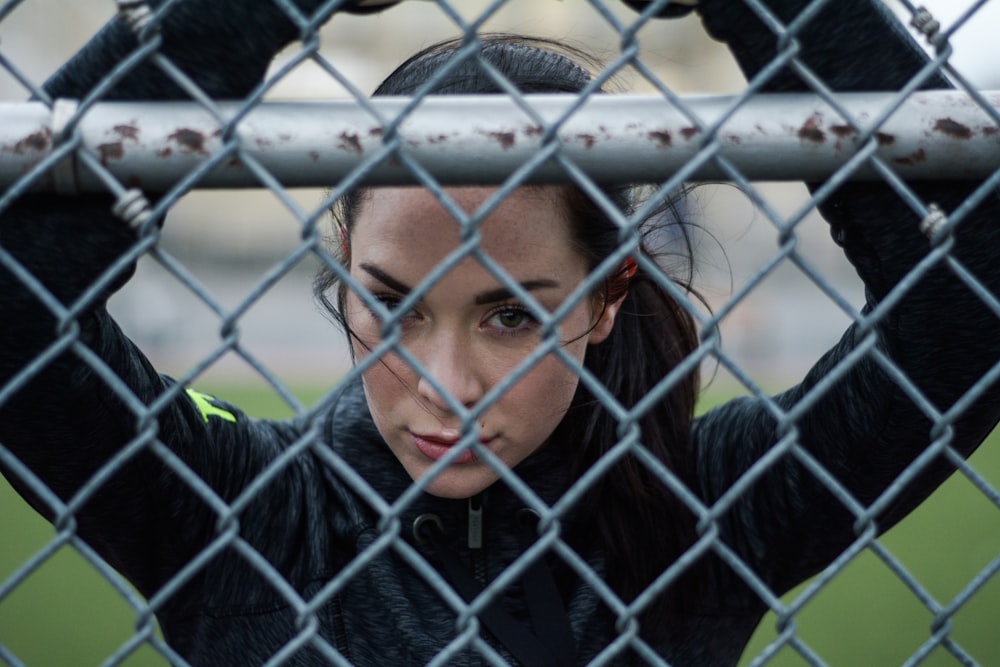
(369, 6)
(673, 9)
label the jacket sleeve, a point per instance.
(865, 412)
(77, 399)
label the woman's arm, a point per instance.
(66, 421)
(866, 429)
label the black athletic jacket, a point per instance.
(309, 522)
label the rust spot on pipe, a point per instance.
(843, 131)
(34, 142)
(165, 152)
(885, 139)
(505, 139)
(734, 139)
(351, 142)
(533, 130)
(376, 132)
(314, 156)
(437, 139)
(111, 151)
(810, 131)
(689, 132)
(990, 130)
(913, 158)
(126, 132)
(587, 139)
(661, 137)
(190, 141)
(953, 128)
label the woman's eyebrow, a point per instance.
(491, 296)
(504, 293)
(384, 278)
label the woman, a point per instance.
(319, 559)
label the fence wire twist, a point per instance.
(226, 142)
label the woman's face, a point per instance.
(468, 331)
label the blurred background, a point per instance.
(66, 614)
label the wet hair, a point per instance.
(641, 524)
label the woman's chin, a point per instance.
(456, 483)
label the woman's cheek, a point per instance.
(550, 390)
(365, 331)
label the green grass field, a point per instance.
(65, 613)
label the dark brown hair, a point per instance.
(642, 525)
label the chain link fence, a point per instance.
(895, 148)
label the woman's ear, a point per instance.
(609, 311)
(605, 321)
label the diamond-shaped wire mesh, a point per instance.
(500, 462)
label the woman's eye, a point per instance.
(510, 319)
(391, 303)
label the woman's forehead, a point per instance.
(414, 215)
(408, 233)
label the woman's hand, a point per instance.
(674, 9)
(224, 46)
(370, 6)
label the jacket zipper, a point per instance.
(477, 553)
(476, 521)
(475, 538)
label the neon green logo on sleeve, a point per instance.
(204, 403)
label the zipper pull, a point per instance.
(476, 521)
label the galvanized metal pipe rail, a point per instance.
(458, 139)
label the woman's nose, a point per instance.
(453, 369)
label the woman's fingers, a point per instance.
(673, 9)
(369, 6)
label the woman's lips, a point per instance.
(435, 447)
